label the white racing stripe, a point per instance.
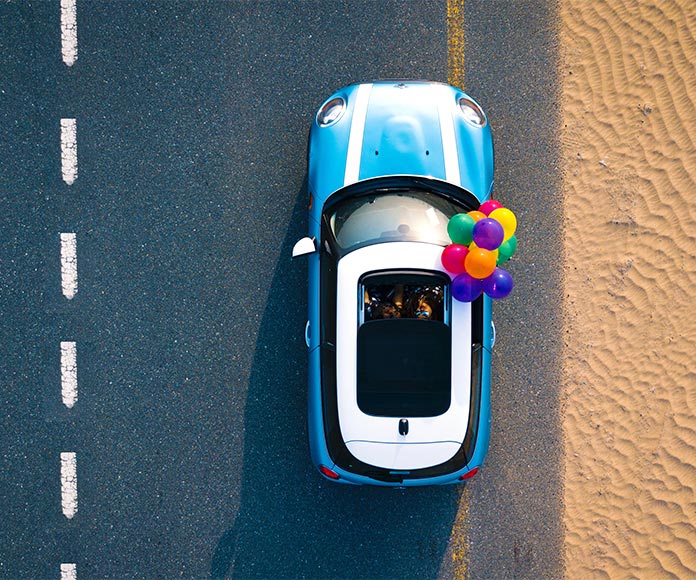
(68, 484)
(68, 572)
(68, 264)
(68, 373)
(68, 150)
(357, 129)
(449, 141)
(68, 30)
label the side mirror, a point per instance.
(303, 247)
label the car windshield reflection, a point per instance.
(413, 216)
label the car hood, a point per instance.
(402, 133)
(400, 128)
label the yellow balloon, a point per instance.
(506, 219)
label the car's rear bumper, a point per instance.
(394, 480)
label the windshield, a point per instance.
(406, 216)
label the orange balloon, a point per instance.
(477, 215)
(480, 263)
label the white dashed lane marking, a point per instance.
(68, 572)
(68, 373)
(68, 484)
(68, 270)
(68, 264)
(68, 150)
(68, 31)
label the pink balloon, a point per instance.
(491, 205)
(453, 257)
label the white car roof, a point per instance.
(376, 440)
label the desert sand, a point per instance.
(628, 138)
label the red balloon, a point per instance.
(453, 257)
(488, 206)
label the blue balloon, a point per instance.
(466, 288)
(488, 233)
(499, 284)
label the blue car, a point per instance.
(399, 372)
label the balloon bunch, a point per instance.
(481, 241)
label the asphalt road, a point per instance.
(512, 62)
(189, 430)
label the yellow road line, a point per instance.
(455, 42)
(458, 549)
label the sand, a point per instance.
(628, 138)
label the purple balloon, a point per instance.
(488, 233)
(499, 284)
(466, 288)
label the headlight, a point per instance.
(331, 111)
(472, 112)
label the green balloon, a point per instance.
(506, 250)
(460, 228)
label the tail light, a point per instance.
(469, 474)
(328, 472)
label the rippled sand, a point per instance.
(629, 132)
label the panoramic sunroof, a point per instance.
(404, 367)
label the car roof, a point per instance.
(359, 427)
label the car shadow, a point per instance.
(291, 523)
